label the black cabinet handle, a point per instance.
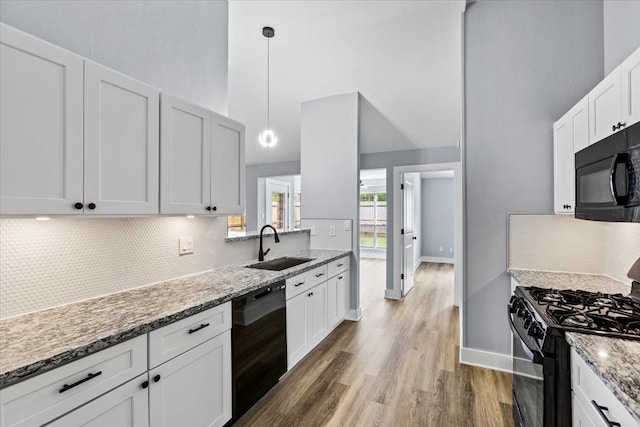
(156, 378)
(91, 206)
(310, 294)
(215, 208)
(614, 127)
(145, 384)
(339, 265)
(78, 205)
(319, 274)
(298, 284)
(202, 326)
(340, 278)
(600, 410)
(90, 376)
(209, 208)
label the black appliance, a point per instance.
(539, 319)
(259, 341)
(608, 178)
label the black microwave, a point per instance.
(608, 178)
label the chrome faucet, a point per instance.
(261, 254)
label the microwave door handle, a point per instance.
(620, 158)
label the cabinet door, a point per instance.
(318, 324)
(630, 86)
(227, 166)
(193, 389)
(344, 290)
(297, 328)
(40, 126)
(580, 418)
(121, 143)
(185, 169)
(605, 107)
(333, 316)
(125, 406)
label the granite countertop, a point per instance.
(619, 368)
(616, 362)
(40, 341)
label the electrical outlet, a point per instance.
(186, 245)
(332, 230)
(347, 225)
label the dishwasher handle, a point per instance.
(262, 294)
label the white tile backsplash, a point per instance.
(46, 264)
(563, 243)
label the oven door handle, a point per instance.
(537, 355)
(618, 159)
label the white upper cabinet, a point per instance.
(121, 143)
(227, 166)
(570, 134)
(614, 103)
(202, 170)
(630, 85)
(41, 114)
(605, 107)
(185, 170)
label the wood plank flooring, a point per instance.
(396, 367)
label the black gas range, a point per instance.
(539, 318)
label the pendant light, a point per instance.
(267, 137)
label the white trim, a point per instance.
(354, 315)
(365, 253)
(485, 359)
(440, 260)
(391, 294)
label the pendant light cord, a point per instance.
(268, 88)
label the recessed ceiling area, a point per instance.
(404, 57)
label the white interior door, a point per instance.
(277, 204)
(407, 237)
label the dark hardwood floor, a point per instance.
(396, 367)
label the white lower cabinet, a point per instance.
(337, 298)
(193, 389)
(126, 406)
(306, 322)
(593, 403)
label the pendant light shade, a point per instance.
(267, 137)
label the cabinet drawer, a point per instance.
(589, 388)
(317, 275)
(174, 339)
(338, 266)
(303, 282)
(49, 395)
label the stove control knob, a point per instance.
(527, 321)
(521, 310)
(536, 331)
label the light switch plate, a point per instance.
(332, 230)
(186, 245)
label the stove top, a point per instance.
(588, 312)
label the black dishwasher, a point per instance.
(259, 338)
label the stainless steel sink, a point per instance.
(278, 264)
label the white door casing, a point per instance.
(407, 236)
(280, 187)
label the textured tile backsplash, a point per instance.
(563, 243)
(45, 264)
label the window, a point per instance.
(236, 223)
(373, 220)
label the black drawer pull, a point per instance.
(339, 265)
(340, 278)
(600, 410)
(90, 376)
(299, 284)
(202, 326)
(310, 294)
(156, 378)
(145, 384)
(319, 274)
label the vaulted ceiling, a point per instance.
(404, 57)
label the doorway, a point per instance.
(277, 196)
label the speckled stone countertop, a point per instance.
(619, 369)
(40, 341)
(256, 234)
(616, 362)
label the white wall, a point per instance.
(179, 47)
(330, 166)
(438, 218)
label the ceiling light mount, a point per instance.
(268, 32)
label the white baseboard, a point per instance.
(391, 294)
(485, 359)
(354, 315)
(440, 260)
